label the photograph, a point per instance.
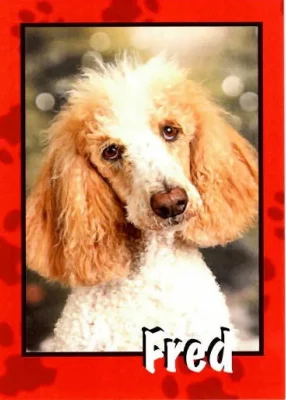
(142, 148)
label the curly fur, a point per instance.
(89, 221)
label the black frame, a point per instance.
(259, 25)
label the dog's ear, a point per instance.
(224, 169)
(74, 224)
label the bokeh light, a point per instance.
(100, 41)
(45, 101)
(249, 101)
(232, 86)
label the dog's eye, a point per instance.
(170, 132)
(111, 153)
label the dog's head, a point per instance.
(143, 144)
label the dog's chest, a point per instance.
(169, 287)
(168, 276)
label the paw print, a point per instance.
(12, 220)
(276, 214)
(10, 132)
(115, 11)
(41, 13)
(210, 388)
(10, 256)
(5, 157)
(24, 374)
(21, 373)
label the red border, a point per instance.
(259, 377)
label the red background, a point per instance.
(259, 377)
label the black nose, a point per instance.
(169, 204)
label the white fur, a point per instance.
(171, 288)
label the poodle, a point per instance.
(141, 170)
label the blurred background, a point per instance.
(224, 59)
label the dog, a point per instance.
(141, 171)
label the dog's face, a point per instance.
(141, 144)
(142, 150)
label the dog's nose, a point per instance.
(169, 204)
